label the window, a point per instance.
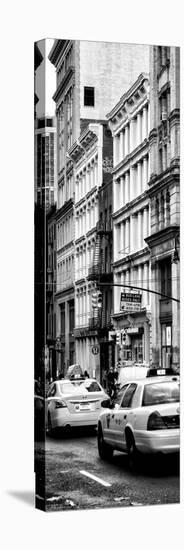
(165, 275)
(62, 310)
(89, 96)
(161, 392)
(120, 394)
(127, 398)
(51, 391)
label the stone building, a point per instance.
(129, 123)
(163, 240)
(90, 76)
(88, 154)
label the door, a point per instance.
(119, 416)
(110, 420)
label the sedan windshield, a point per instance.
(161, 392)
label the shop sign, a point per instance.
(130, 301)
(95, 350)
(133, 330)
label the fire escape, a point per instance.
(101, 269)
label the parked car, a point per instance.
(74, 403)
(143, 418)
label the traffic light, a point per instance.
(99, 299)
(123, 336)
(94, 299)
(118, 338)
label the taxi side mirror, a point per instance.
(106, 403)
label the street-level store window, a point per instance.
(138, 350)
(166, 345)
(89, 96)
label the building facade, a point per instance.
(45, 161)
(163, 240)
(88, 154)
(50, 291)
(129, 123)
(89, 78)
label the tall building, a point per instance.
(163, 240)
(90, 76)
(45, 161)
(129, 123)
(89, 154)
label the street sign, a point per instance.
(130, 301)
(95, 350)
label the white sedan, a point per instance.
(144, 418)
(74, 403)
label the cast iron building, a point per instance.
(129, 123)
(164, 198)
(89, 79)
(89, 154)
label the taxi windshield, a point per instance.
(161, 392)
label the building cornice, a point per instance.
(162, 235)
(88, 137)
(63, 293)
(129, 206)
(62, 86)
(65, 247)
(159, 181)
(64, 209)
(129, 158)
(127, 95)
(56, 50)
(138, 254)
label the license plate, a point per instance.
(85, 406)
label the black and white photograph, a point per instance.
(92, 270)
(106, 274)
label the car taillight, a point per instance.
(155, 422)
(60, 404)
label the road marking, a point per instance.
(87, 474)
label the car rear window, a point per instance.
(161, 392)
(70, 387)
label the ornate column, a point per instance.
(139, 127)
(131, 125)
(139, 181)
(121, 146)
(139, 230)
(144, 123)
(132, 233)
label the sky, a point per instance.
(46, 72)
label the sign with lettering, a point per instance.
(107, 164)
(130, 301)
(95, 350)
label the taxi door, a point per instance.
(119, 416)
(111, 417)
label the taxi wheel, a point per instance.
(104, 450)
(132, 451)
